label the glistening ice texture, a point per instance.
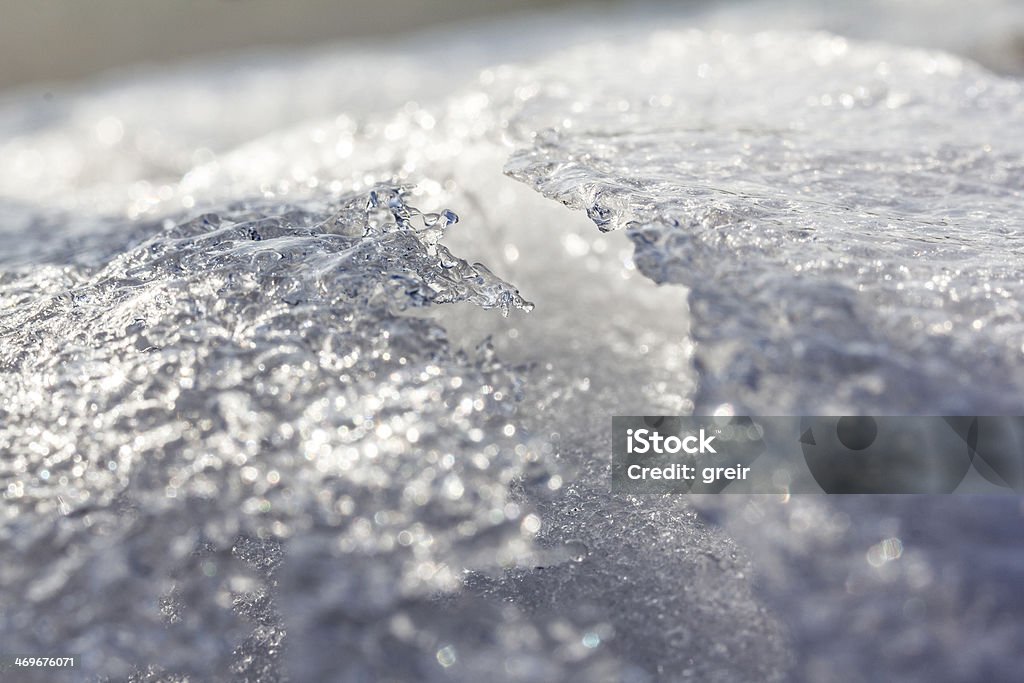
(222, 384)
(315, 475)
(846, 216)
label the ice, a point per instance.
(919, 588)
(220, 381)
(846, 216)
(257, 425)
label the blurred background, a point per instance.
(65, 40)
(59, 40)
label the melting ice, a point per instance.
(248, 431)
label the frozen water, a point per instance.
(846, 217)
(238, 376)
(242, 439)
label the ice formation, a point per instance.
(243, 440)
(854, 225)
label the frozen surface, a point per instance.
(847, 217)
(229, 381)
(256, 425)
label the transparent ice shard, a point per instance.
(235, 379)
